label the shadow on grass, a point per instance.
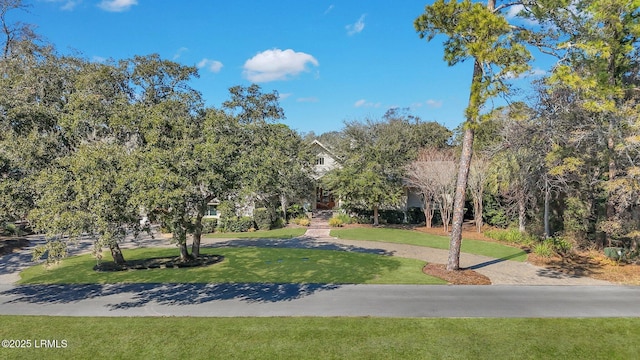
(302, 242)
(137, 295)
(492, 262)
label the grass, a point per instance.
(411, 237)
(245, 265)
(323, 338)
(284, 233)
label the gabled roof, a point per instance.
(324, 148)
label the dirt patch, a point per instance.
(458, 277)
(10, 245)
(159, 263)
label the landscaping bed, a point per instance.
(460, 277)
(159, 263)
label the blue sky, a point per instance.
(330, 60)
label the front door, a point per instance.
(324, 199)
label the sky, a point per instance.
(331, 61)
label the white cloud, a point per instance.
(284, 96)
(212, 65)
(357, 27)
(276, 64)
(365, 103)
(537, 72)
(513, 11)
(329, 9)
(434, 103)
(513, 14)
(67, 5)
(117, 5)
(179, 53)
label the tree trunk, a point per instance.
(428, 214)
(522, 214)
(197, 238)
(375, 215)
(184, 252)
(453, 262)
(477, 212)
(283, 204)
(197, 232)
(612, 174)
(445, 214)
(547, 195)
(116, 253)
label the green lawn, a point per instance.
(412, 237)
(245, 265)
(323, 338)
(284, 233)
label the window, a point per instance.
(212, 210)
(319, 160)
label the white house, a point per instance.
(325, 162)
(324, 198)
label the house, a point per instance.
(326, 161)
(321, 198)
(324, 199)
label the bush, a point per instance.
(415, 215)
(295, 211)
(238, 224)
(561, 246)
(302, 221)
(263, 218)
(513, 236)
(279, 223)
(543, 249)
(335, 222)
(11, 229)
(209, 225)
(345, 218)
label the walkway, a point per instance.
(500, 272)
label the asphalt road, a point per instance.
(225, 300)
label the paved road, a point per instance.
(226, 300)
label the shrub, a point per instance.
(279, 223)
(561, 245)
(209, 225)
(302, 221)
(513, 236)
(543, 249)
(345, 218)
(263, 219)
(11, 229)
(295, 211)
(238, 224)
(415, 215)
(335, 222)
